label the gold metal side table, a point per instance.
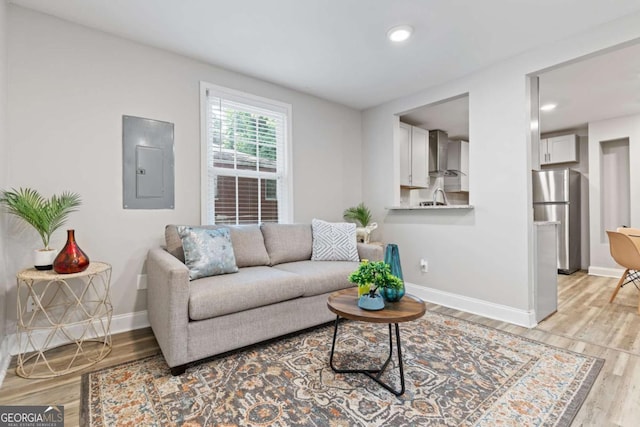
(63, 315)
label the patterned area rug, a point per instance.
(457, 373)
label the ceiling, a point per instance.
(338, 49)
(598, 88)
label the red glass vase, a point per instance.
(71, 258)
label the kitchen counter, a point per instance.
(429, 208)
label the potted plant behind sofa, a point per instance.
(361, 215)
(371, 276)
(44, 215)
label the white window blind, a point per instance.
(245, 177)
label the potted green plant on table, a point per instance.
(44, 215)
(370, 277)
(361, 215)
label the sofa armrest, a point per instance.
(168, 304)
(371, 251)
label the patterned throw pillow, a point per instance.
(334, 241)
(207, 252)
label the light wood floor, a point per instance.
(585, 323)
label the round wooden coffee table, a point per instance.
(344, 304)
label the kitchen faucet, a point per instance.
(435, 196)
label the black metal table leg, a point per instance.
(374, 373)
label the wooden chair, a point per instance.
(626, 253)
(634, 233)
(629, 230)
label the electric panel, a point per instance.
(148, 163)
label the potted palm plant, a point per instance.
(44, 215)
(361, 215)
(370, 277)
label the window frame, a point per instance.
(285, 202)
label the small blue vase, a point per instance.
(367, 302)
(392, 257)
(392, 295)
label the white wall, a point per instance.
(68, 89)
(477, 253)
(583, 168)
(479, 260)
(609, 130)
(4, 276)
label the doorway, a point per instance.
(596, 99)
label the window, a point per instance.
(245, 177)
(271, 189)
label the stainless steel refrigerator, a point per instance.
(556, 197)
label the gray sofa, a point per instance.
(277, 290)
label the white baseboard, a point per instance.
(605, 271)
(475, 306)
(119, 323)
(129, 322)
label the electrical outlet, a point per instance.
(30, 304)
(424, 265)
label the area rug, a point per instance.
(458, 373)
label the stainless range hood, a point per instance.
(438, 154)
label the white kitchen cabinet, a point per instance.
(414, 156)
(405, 154)
(457, 160)
(559, 149)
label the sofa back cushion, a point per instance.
(248, 245)
(247, 241)
(174, 242)
(287, 242)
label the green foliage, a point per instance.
(377, 273)
(46, 216)
(246, 131)
(360, 214)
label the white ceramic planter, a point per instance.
(43, 259)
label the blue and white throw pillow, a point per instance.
(207, 252)
(334, 241)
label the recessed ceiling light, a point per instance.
(548, 107)
(400, 33)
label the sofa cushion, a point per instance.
(334, 241)
(249, 288)
(173, 241)
(319, 277)
(248, 245)
(247, 240)
(207, 252)
(287, 242)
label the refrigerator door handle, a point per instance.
(551, 203)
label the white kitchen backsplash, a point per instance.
(458, 198)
